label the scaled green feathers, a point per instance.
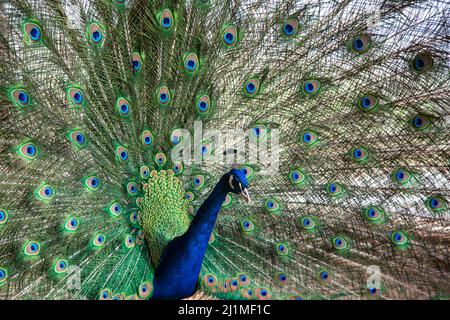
(164, 211)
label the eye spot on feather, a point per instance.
(27, 150)
(105, 294)
(99, 240)
(3, 275)
(191, 63)
(230, 36)
(360, 44)
(32, 32)
(290, 28)
(166, 20)
(436, 204)
(400, 239)
(251, 87)
(92, 183)
(160, 159)
(96, 34)
(32, 248)
(61, 266)
(71, 224)
(3, 216)
(324, 276)
(145, 289)
(45, 193)
(121, 154)
(282, 249)
(422, 62)
(19, 97)
(164, 96)
(136, 62)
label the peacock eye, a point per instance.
(71, 224)
(251, 87)
(308, 223)
(203, 104)
(144, 171)
(27, 150)
(32, 32)
(272, 206)
(3, 275)
(133, 217)
(309, 138)
(402, 176)
(310, 87)
(334, 189)
(247, 225)
(163, 95)
(96, 34)
(399, 239)
(360, 44)
(3, 216)
(262, 293)
(176, 136)
(420, 122)
(281, 278)
(105, 294)
(207, 149)
(92, 183)
(189, 196)
(75, 96)
(368, 103)
(341, 244)
(99, 240)
(32, 248)
(230, 36)
(198, 181)
(132, 188)
(359, 154)
(191, 63)
(60, 266)
(115, 209)
(136, 62)
(145, 289)
(160, 159)
(324, 276)
(129, 241)
(45, 193)
(243, 279)
(121, 154)
(123, 107)
(166, 20)
(290, 28)
(19, 97)
(282, 249)
(210, 280)
(422, 62)
(436, 204)
(77, 138)
(374, 215)
(259, 132)
(177, 167)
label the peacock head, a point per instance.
(236, 182)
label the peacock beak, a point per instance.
(244, 194)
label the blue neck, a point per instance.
(181, 261)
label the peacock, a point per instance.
(234, 149)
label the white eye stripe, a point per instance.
(230, 182)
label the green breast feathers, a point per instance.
(164, 214)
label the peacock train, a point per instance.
(233, 149)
